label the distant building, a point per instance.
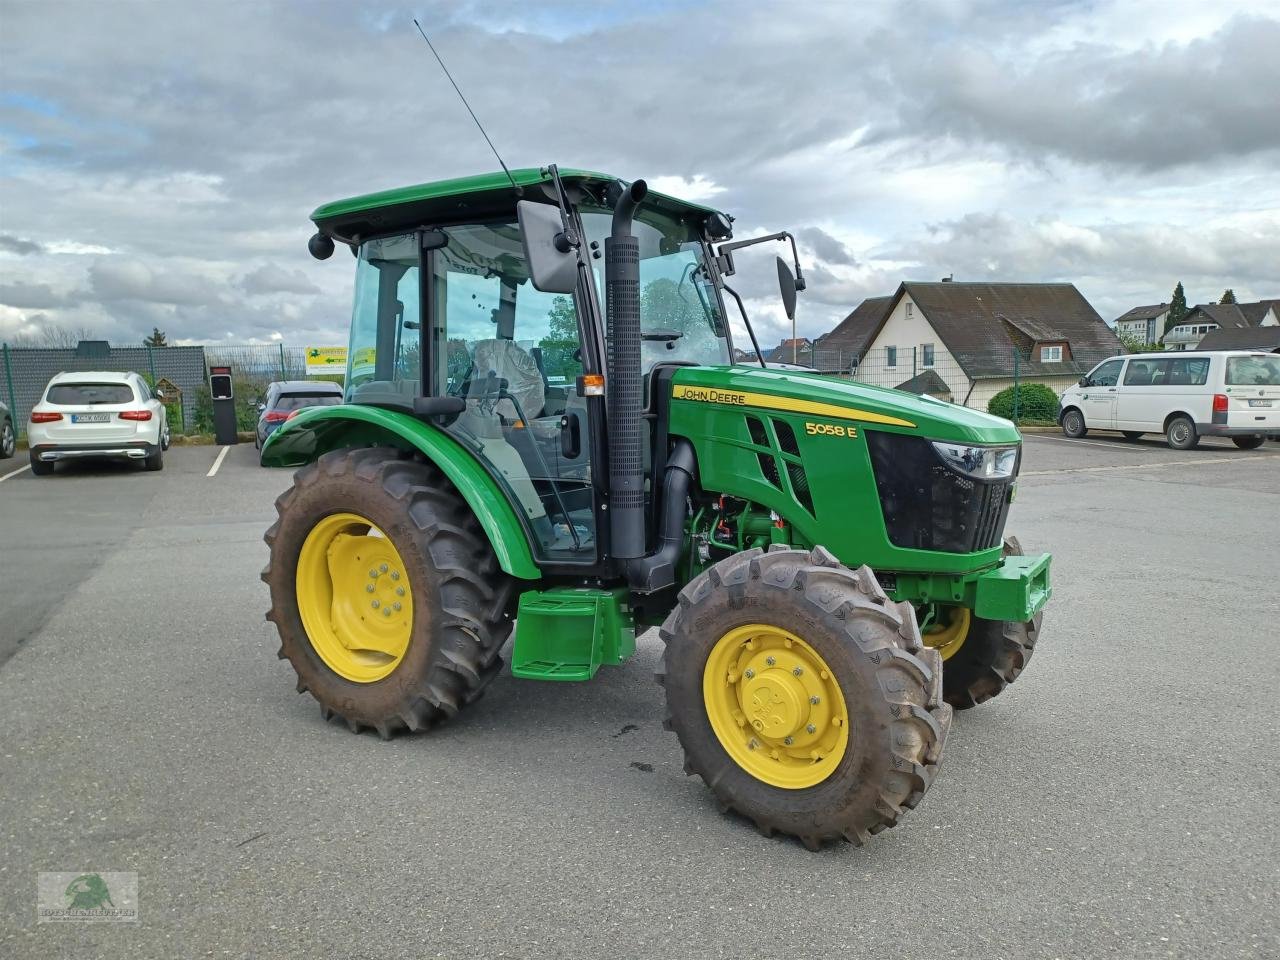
(798, 351)
(1265, 338)
(1207, 317)
(977, 337)
(1144, 324)
(836, 352)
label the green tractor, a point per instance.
(544, 426)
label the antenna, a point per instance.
(515, 186)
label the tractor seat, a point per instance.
(507, 360)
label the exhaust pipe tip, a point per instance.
(625, 208)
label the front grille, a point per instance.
(927, 505)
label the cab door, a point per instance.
(1098, 399)
(512, 354)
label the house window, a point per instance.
(890, 356)
(926, 352)
(908, 309)
(1051, 354)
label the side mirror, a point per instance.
(1084, 381)
(787, 284)
(261, 406)
(553, 264)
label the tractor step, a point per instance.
(566, 633)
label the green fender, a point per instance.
(317, 430)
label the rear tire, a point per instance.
(1132, 435)
(1180, 433)
(41, 468)
(1073, 424)
(993, 655)
(868, 647)
(1247, 443)
(8, 442)
(155, 461)
(459, 594)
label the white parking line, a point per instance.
(14, 473)
(218, 462)
(1092, 443)
(1151, 466)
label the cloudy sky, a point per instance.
(158, 160)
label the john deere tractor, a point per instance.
(545, 430)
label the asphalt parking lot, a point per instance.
(1118, 801)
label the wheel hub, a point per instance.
(353, 597)
(775, 706)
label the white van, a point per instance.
(1184, 395)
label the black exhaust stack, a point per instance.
(625, 397)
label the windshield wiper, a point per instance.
(661, 336)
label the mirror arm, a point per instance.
(568, 240)
(745, 320)
(726, 261)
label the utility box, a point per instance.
(224, 405)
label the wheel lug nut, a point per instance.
(399, 591)
(797, 671)
(748, 673)
(386, 612)
(751, 744)
(770, 661)
(811, 728)
(788, 741)
(382, 569)
(373, 574)
(375, 604)
(396, 605)
(368, 588)
(395, 574)
(815, 700)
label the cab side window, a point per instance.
(1189, 371)
(1107, 374)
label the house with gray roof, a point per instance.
(1207, 317)
(1144, 324)
(979, 337)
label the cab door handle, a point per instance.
(570, 436)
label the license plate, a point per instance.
(1259, 403)
(91, 418)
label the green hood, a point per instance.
(820, 395)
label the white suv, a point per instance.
(96, 414)
(1184, 395)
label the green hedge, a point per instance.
(1035, 402)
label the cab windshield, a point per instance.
(680, 316)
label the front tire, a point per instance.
(424, 641)
(990, 655)
(812, 664)
(8, 442)
(1180, 433)
(1247, 443)
(1073, 424)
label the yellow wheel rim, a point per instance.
(949, 637)
(354, 598)
(775, 706)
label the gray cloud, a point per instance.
(270, 278)
(825, 246)
(33, 296)
(19, 246)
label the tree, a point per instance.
(1134, 344)
(55, 335)
(561, 340)
(1177, 308)
(157, 338)
(1228, 296)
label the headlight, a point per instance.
(981, 463)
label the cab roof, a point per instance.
(483, 194)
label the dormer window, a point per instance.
(1051, 354)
